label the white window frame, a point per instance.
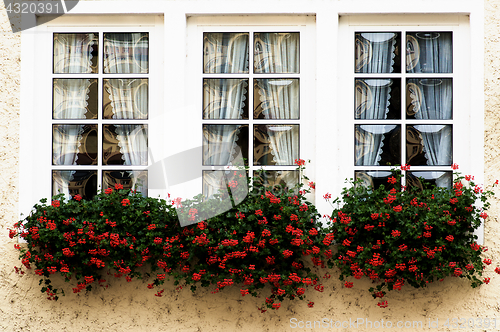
(191, 135)
(467, 120)
(36, 126)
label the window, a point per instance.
(92, 89)
(263, 123)
(405, 109)
(252, 97)
(100, 138)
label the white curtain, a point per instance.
(225, 53)
(429, 52)
(375, 53)
(70, 98)
(279, 53)
(128, 98)
(372, 98)
(223, 99)
(126, 53)
(133, 143)
(369, 143)
(431, 99)
(72, 54)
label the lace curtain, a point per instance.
(72, 54)
(127, 53)
(429, 99)
(279, 53)
(223, 99)
(375, 53)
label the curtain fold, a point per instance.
(429, 52)
(223, 99)
(432, 100)
(128, 98)
(375, 53)
(279, 53)
(126, 53)
(72, 54)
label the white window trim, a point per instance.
(191, 118)
(467, 130)
(36, 97)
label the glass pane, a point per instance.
(135, 180)
(439, 179)
(225, 52)
(74, 144)
(429, 98)
(374, 178)
(378, 99)
(126, 53)
(377, 145)
(74, 98)
(75, 182)
(277, 52)
(429, 145)
(216, 182)
(377, 52)
(75, 53)
(278, 182)
(222, 143)
(276, 98)
(276, 144)
(125, 98)
(429, 52)
(125, 145)
(225, 98)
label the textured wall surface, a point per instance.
(132, 307)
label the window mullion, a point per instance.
(100, 110)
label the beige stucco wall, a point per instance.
(132, 307)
